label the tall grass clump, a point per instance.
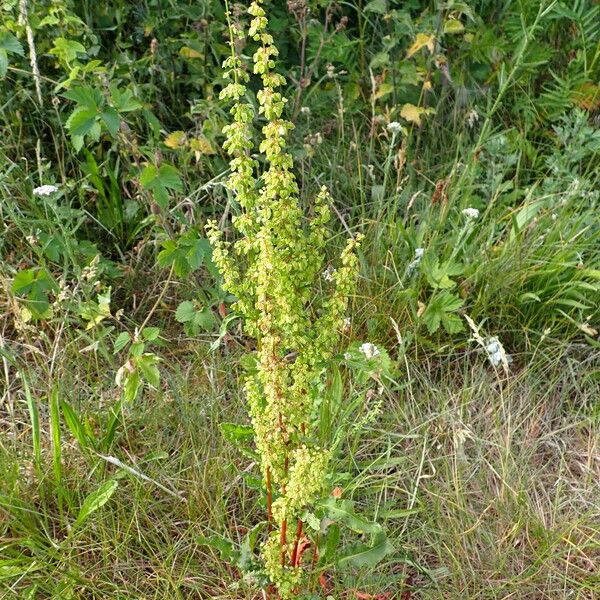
(275, 269)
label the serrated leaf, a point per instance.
(10, 43)
(204, 319)
(422, 40)
(185, 312)
(67, 49)
(121, 341)
(81, 121)
(123, 100)
(367, 555)
(85, 96)
(96, 500)
(111, 119)
(150, 333)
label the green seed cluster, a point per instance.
(274, 269)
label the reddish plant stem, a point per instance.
(295, 557)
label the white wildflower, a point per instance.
(305, 110)
(495, 351)
(32, 239)
(45, 190)
(330, 71)
(394, 127)
(471, 213)
(370, 350)
(347, 324)
(347, 356)
(472, 118)
(328, 273)
(419, 252)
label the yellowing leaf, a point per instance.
(383, 90)
(202, 146)
(188, 52)
(413, 113)
(422, 39)
(175, 139)
(453, 26)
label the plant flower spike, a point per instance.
(274, 270)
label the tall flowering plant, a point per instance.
(274, 271)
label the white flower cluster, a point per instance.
(419, 252)
(471, 213)
(394, 127)
(370, 350)
(45, 190)
(328, 273)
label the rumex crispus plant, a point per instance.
(274, 269)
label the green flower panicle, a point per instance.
(274, 269)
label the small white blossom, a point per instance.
(370, 350)
(45, 190)
(495, 351)
(471, 213)
(419, 252)
(305, 110)
(330, 71)
(394, 127)
(328, 273)
(472, 118)
(32, 239)
(347, 355)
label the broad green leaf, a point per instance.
(185, 312)
(67, 50)
(150, 333)
(81, 121)
(111, 119)
(132, 386)
(225, 547)
(122, 340)
(147, 365)
(10, 43)
(235, 433)
(367, 555)
(453, 26)
(96, 500)
(205, 319)
(87, 97)
(3, 63)
(342, 511)
(123, 100)
(376, 6)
